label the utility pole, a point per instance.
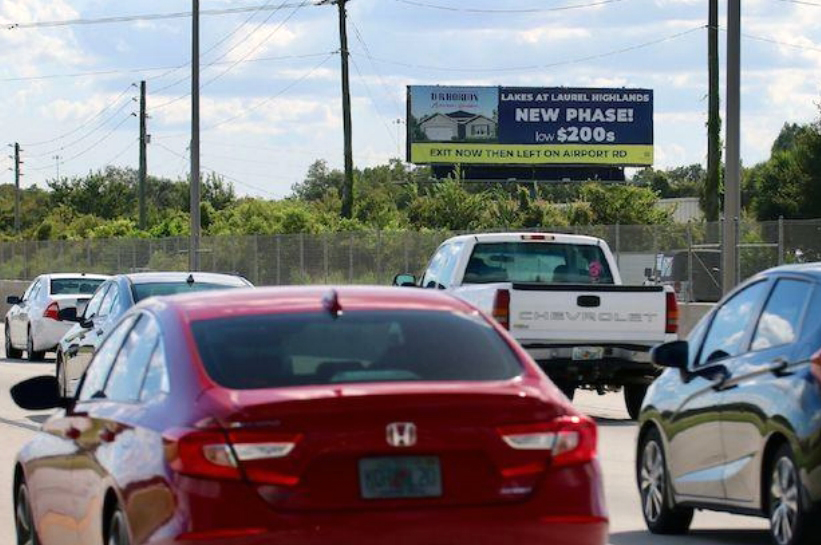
(194, 245)
(347, 188)
(17, 175)
(57, 165)
(712, 189)
(732, 192)
(143, 173)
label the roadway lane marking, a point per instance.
(17, 424)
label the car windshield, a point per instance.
(280, 350)
(74, 286)
(144, 291)
(537, 262)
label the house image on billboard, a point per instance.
(457, 126)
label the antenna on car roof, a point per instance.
(331, 304)
(190, 279)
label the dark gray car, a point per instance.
(111, 300)
(735, 423)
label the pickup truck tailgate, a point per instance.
(588, 313)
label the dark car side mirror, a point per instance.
(68, 315)
(13, 300)
(38, 394)
(648, 273)
(86, 323)
(674, 354)
(406, 280)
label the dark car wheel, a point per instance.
(23, 521)
(633, 398)
(660, 515)
(30, 353)
(790, 523)
(11, 352)
(567, 388)
(117, 531)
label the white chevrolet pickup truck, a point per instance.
(562, 299)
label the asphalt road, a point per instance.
(617, 436)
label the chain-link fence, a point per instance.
(684, 255)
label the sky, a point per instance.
(271, 101)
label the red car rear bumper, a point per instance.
(566, 508)
(460, 527)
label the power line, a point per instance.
(80, 127)
(577, 60)
(802, 3)
(89, 148)
(85, 136)
(373, 100)
(125, 150)
(156, 69)
(240, 182)
(281, 92)
(213, 47)
(506, 10)
(361, 40)
(139, 17)
(234, 64)
(779, 42)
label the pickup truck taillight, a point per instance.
(501, 308)
(672, 314)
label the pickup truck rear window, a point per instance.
(301, 349)
(537, 262)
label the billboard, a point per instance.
(530, 126)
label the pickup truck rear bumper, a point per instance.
(621, 365)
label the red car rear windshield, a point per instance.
(280, 350)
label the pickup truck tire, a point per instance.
(633, 398)
(567, 388)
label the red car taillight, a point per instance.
(501, 308)
(211, 454)
(570, 440)
(672, 314)
(52, 311)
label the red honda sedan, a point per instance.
(309, 416)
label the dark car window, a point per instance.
(156, 376)
(782, 314)
(278, 350)
(731, 322)
(539, 262)
(126, 377)
(100, 365)
(144, 291)
(96, 300)
(74, 286)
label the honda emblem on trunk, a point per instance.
(401, 434)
